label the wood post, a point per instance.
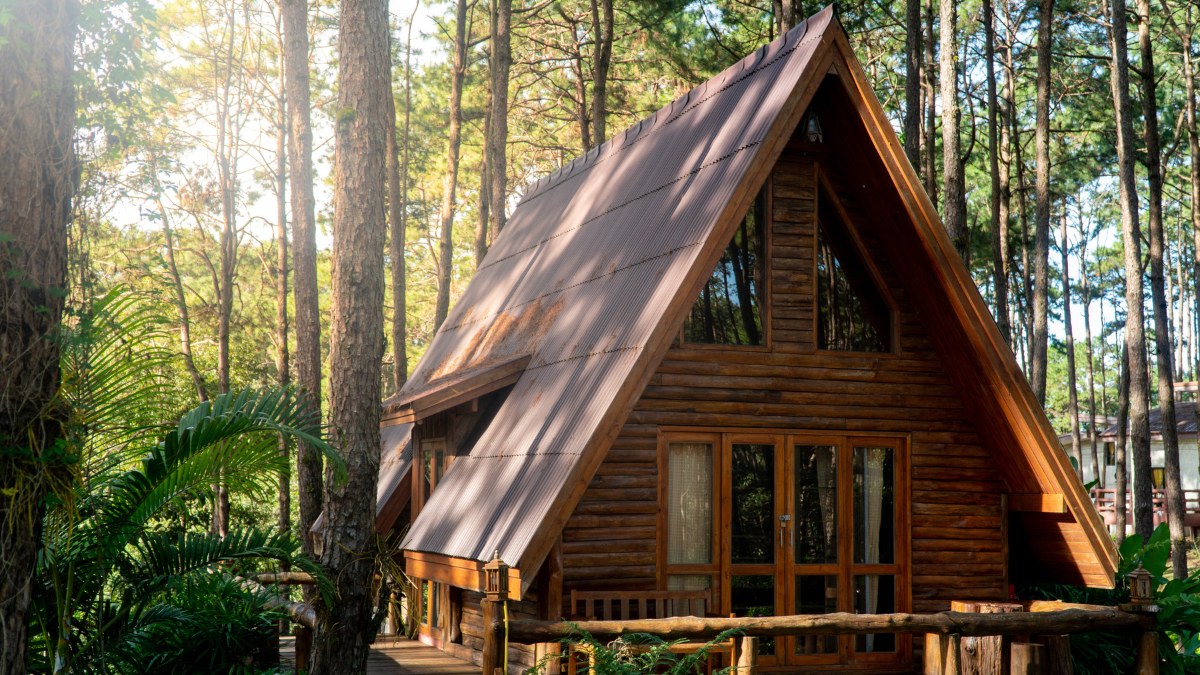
(492, 649)
(1147, 660)
(988, 654)
(304, 640)
(943, 654)
(1028, 659)
(1058, 654)
(747, 663)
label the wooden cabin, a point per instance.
(733, 349)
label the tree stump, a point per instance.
(987, 655)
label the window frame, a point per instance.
(860, 249)
(721, 570)
(769, 219)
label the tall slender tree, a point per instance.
(1041, 243)
(1084, 278)
(309, 480)
(997, 227)
(37, 165)
(1120, 452)
(930, 106)
(501, 64)
(954, 215)
(1162, 329)
(453, 142)
(356, 340)
(912, 83)
(1072, 395)
(602, 31)
(283, 374)
(1131, 233)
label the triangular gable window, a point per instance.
(852, 315)
(729, 310)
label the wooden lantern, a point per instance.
(1141, 587)
(495, 584)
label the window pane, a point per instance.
(425, 603)
(1110, 454)
(851, 313)
(427, 470)
(875, 594)
(874, 506)
(816, 503)
(729, 309)
(752, 530)
(1158, 477)
(435, 597)
(754, 596)
(816, 595)
(689, 503)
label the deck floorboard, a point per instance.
(400, 656)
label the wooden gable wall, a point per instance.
(957, 547)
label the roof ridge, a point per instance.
(798, 36)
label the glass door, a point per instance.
(814, 550)
(757, 532)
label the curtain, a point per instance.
(827, 496)
(873, 479)
(689, 503)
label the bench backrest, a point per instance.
(626, 605)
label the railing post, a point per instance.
(304, 640)
(1028, 659)
(491, 645)
(747, 663)
(1147, 660)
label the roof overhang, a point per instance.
(458, 572)
(451, 391)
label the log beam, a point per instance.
(945, 623)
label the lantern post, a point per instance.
(495, 616)
(1141, 599)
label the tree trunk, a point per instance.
(37, 164)
(1120, 456)
(1131, 230)
(602, 57)
(1193, 169)
(1041, 244)
(930, 107)
(912, 83)
(396, 207)
(1022, 208)
(356, 340)
(999, 230)
(309, 479)
(1162, 329)
(485, 183)
(789, 17)
(282, 371)
(501, 64)
(953, 215)
(1098, 468)
(1072, 394)
(446, 253)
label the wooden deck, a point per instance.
(400, 656)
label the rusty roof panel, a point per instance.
(582, 275)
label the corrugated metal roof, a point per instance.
(1185, 421)
(580, 278)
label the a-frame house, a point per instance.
(733, 348)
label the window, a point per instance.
(730, 309)
(1110, 453)
(795, 523)
(852, 314)
(432, 462)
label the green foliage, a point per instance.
(639, 654)
(114, 588)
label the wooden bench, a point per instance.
(631, 605)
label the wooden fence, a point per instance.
(946, 628)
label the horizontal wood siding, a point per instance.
(956, 485)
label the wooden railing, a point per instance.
(953, 625)
(1106, 504)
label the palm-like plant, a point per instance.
(104, 570)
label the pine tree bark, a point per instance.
(1041, 243)
(931, 95)
(1072, 392)
(602, 57)
(1120, 452)
(397, 205)
(1162, 329)
(309, 479)
(789, 17)
(453, 143)
(998, 228)
(37, 166)
(1097, 467)
(283, 374)
(1131, 231)
(953, 215)
(485, 184)
(912, 83)
(356, 340)
(501, 64)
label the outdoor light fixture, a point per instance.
(813, 129)
(495, 584)
(1141, 588)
